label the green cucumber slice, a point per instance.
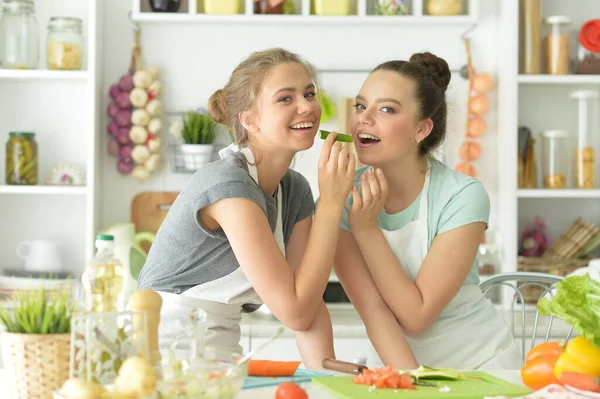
(345, 138)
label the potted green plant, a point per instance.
(274, 7)
(197, 135)
(36, 341)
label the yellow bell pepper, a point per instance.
(580, 356)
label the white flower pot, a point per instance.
(196, 155)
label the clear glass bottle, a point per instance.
(104, 278)
(557, 45)
(588, 52)
(65, 43)
(21, 159)
(587, 137)
(554, 155)
(19, 35)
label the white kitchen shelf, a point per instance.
(304, 19)
(43, 74)
(43, 189)
(566, 193)
(559, 79)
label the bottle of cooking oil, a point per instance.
(104, 278)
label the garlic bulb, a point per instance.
(155, 88)
(154, 144)
(138, 97)
(138, 134)
(154, 72)
(140, 117)
(142, 79)
(140, 154)
(155, 126)
(153, 162)
(154, 107)
(140, 172)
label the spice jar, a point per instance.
(64, 43)
(588, 53)
(19, 35)
(585, 153)
(554, 157)
(444, 7)
(21, 159)
(557, 45)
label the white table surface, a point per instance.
(314, 392)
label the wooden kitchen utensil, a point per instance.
(149, 209)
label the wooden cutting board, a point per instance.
(149, 209)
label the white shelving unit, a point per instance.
(62, 108)
(361, 14)
(523, 101)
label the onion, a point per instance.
(112, 110)
(123, 137)
(123, 118)
(124, 168)
(114, 91)
(113, 129)
(123, 101)
(126, 83)
(113, 148)
(125, 152)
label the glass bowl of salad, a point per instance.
(213, 375)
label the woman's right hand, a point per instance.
(336, 171)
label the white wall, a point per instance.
(196, 60)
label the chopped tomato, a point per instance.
(289, 390)
(385, 377)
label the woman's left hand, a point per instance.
(367, 206)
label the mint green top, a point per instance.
(454, 200)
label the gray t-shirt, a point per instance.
(186, 254)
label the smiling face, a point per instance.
(385, 123)
(288, 113)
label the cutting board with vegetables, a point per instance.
(149, 209)
(476, 385)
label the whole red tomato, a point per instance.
(289, 390)
(539, 372)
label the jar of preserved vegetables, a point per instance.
(65, 43)
(21, 159)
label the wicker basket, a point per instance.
(38, 364)
(558, 267)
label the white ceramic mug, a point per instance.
(40, 255)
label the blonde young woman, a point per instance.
(411, 229)
(242, 232)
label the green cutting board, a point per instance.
(477, 386)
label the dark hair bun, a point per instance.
(436, 67)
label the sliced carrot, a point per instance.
(585, 382)
(271, 368)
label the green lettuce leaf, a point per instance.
(577, 302)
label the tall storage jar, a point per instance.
(65, 43)
(558, 45)
(555, 158)
(21, 159)
(19, 35)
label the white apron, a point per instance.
(469, 334)
(220, 299)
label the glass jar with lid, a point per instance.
(558, 45)
(19, 35)
(65, 43)
(587, 137)
(588, 52)
(21, 159)
(555, 158)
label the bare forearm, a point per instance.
(390, 342)
(314, 269)
(316, 343)
(390, 278)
